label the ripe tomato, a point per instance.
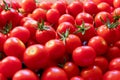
(9, 66)
(71, 69)
(75, 7)
(112, 75)
(84, 55)
(25, 74)
(98, 44)
(14, 47)
(18, 32)
(55, 48)
(52, 16)
(28, 5)
(66, 18)
(114, 64)
(116, 3)
(46, 5)
(83, 17)
(2, 77)
(92, 73)
(54, 73)
(35, 57)
(77, 78)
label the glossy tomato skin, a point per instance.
(35, 57)
(77, 78)
(14, 47)
(116, 3)
(55, 48)
(84, 55)
(92, 73)
(56, 74)
(98, 44)
(112, 75)
(25, 74)
(28, 5)
(71, 69)
(18, 32)
(9, 66)
(83, 16)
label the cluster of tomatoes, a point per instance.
(60, 41)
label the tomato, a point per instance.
(35, 57)
(114, 64)
(9, 66)
(74, 8)
(71, 69)
(46, 5)
(14, 47)
(116, 3)
(28, 5)
(113, 52)
(77, 78)
(2, 77)
(98, 44)
(84, 55)
(39, 14)
(104, 16)
(52, 16)
(102, 63)
(25, 74)
(60, 6)
(83, 17)
(55, 48)
(112, 75)
(45, 33)
(92, 73)
(89, 6)
(19, 31)
(54, 73)
(66, 18)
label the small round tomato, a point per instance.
(14, 47)
(98, 44)
(35, 57)
(116, 3)
(55, 48)
(9, 66)
(54, 73)
(52, 16)
(25, 74)
(71, 69)
(92, 73)
(66, 18)
(46, 5)
(28, 5)
(84, 55)
(77, 78)
(18, 32)
(112, 75)
(83, 17)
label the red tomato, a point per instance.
(77, 78)
(2, 77)
(25, 74)
(102, 63)
(75, 7)
(19, 31)
(35, 57)
(112, 75)
(9, 66)
(92, 73)
(14, 47)
(54, 73)
(116, 3)
(98, 44)
(114, 64)
(84, 55)
(55, 48)
(71, 69)
(28, 5)
(66, 18)
(83, 17)
(52, 16)
(46, 5)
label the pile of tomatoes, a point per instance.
(60, 41)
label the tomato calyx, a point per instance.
(41, 26)
(81, 28)
(6, 7)
(116, 18)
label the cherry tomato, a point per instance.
(46, 5)
(116, 3)
(77, 78)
